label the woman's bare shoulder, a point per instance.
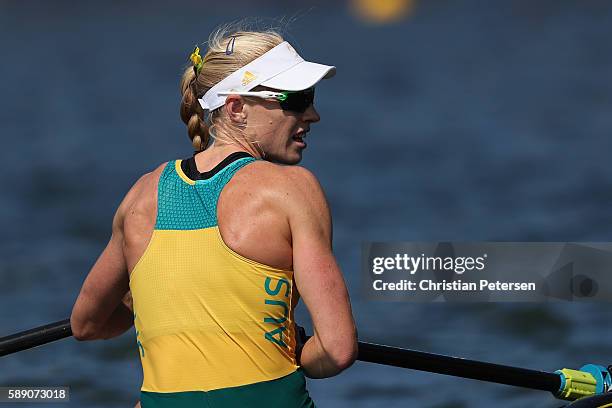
(291, 185)
(142, 195)
(278, 177)
(146, 182)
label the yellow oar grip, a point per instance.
(576, 384)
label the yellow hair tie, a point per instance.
(196, 59)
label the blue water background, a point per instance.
(469, 120)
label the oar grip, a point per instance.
(591, 379)
(575, 384)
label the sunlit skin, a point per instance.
(270, 128)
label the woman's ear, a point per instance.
(236, 109)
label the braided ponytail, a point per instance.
(191, 112)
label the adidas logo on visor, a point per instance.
(248, 77)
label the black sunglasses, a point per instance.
(291, 101)
(296, 101)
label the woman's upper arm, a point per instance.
(317, 275)
(108, 281)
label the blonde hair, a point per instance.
(216, 65)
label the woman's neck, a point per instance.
(214, 154)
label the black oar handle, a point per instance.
(35, 337)
(459, 367)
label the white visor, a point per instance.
(280, 68)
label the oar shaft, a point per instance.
(35, 337)
(368, 352)
(459, 367)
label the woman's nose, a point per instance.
(311, 114)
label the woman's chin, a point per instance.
(291, 157)
(295, 156)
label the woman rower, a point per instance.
(218, 248)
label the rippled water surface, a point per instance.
(469, 120)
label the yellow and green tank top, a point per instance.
(213, 328)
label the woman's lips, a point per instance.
(299, 138)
